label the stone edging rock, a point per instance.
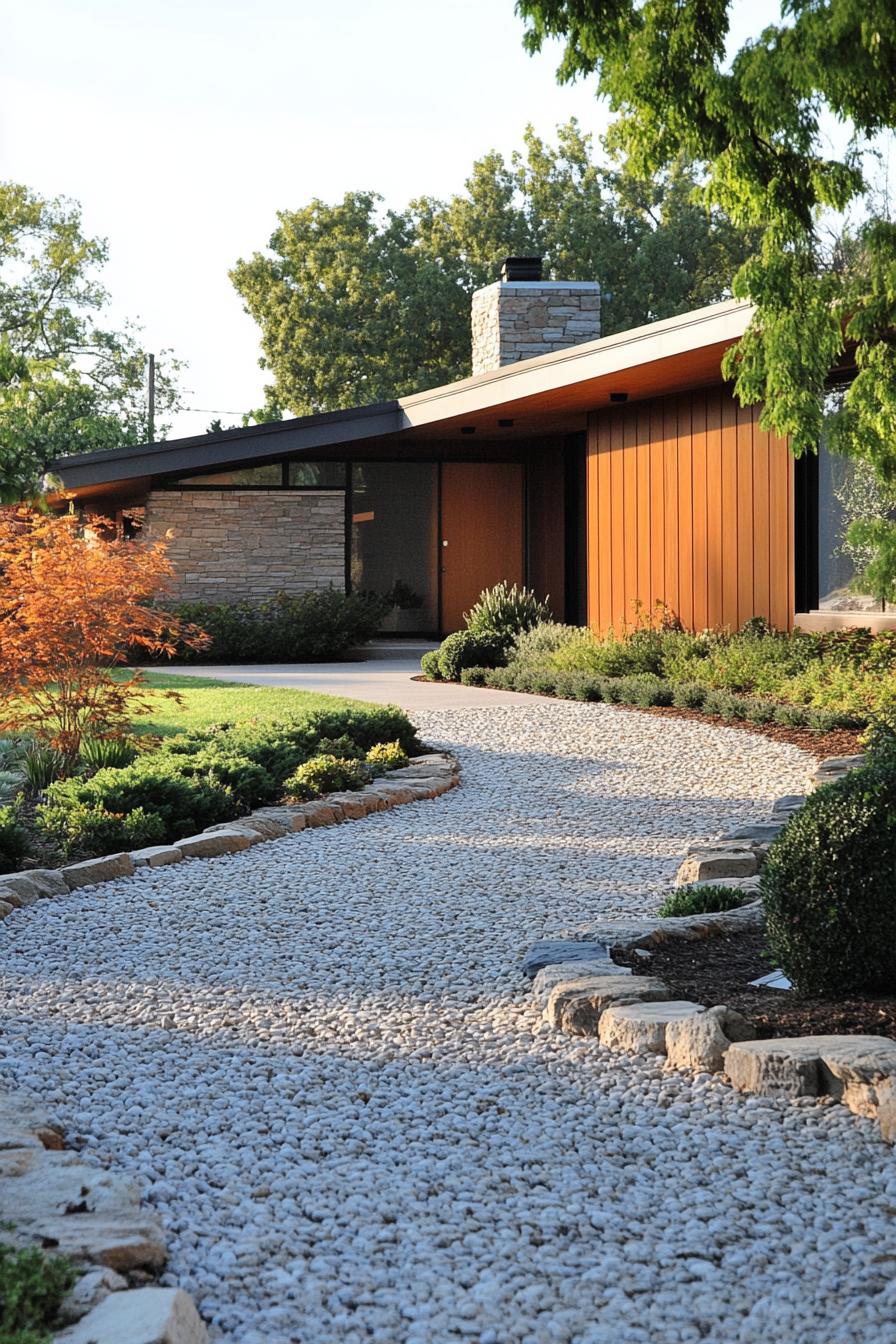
(57, 1199)
(422, 778)
(582, 991)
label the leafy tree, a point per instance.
(360, 304)
(67, 383)
(74, 602)
(758, 123)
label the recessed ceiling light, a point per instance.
(468, 429)
(505, 424)
(619, 396)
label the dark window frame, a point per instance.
(175, 483)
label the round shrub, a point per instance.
(474, 676)
(828, 889)
(468, 649)
(688, 695)
(429, 665)
(610, 690)
(386, 756)
(324, 774)
(759, 711)
(706, 900)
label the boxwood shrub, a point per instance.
(828, 887)
(324, 774)
(429, 665)
(466, 649)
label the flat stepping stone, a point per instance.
(641, 1027)
(553, 951)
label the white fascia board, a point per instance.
(720, 322)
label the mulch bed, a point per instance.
(842, 742)
(718, 969)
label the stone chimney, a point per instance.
(522, 315)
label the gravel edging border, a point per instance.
(583, 992)
(424, 777)
(116, 1235)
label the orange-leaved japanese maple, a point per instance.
(76, 600)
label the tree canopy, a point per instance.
(758, 121)
(358, 303)
(68, 383)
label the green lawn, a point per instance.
(206, 701)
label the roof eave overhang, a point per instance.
(582, 366)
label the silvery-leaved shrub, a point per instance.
(506, 610)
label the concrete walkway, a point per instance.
(386, 681)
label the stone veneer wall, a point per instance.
(231, 545)
(517, 320)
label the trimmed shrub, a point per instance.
(828, 891)
(475, 676)
(611, 690)
(13, 836)
(386, 756)
(759, 711)
(535, 680)
(688, 695)
(644, 691)
(319, 626)
(324, 774)
(578, 686)
(468, 649)
(429, 665)
(501, 678)
(506, 611)
(725, 705)
(707, 900)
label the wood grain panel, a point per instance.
(482, 522)
(730, 521)
(746, 602)
(690, 503)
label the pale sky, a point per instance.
(182, 126)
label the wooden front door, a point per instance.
(482, 539)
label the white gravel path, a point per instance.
(321, 1059)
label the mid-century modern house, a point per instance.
(602, 472)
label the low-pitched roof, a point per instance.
(648, 360)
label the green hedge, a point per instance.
(311, 627)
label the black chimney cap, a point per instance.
(521, 268)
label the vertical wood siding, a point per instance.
(689, 503)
